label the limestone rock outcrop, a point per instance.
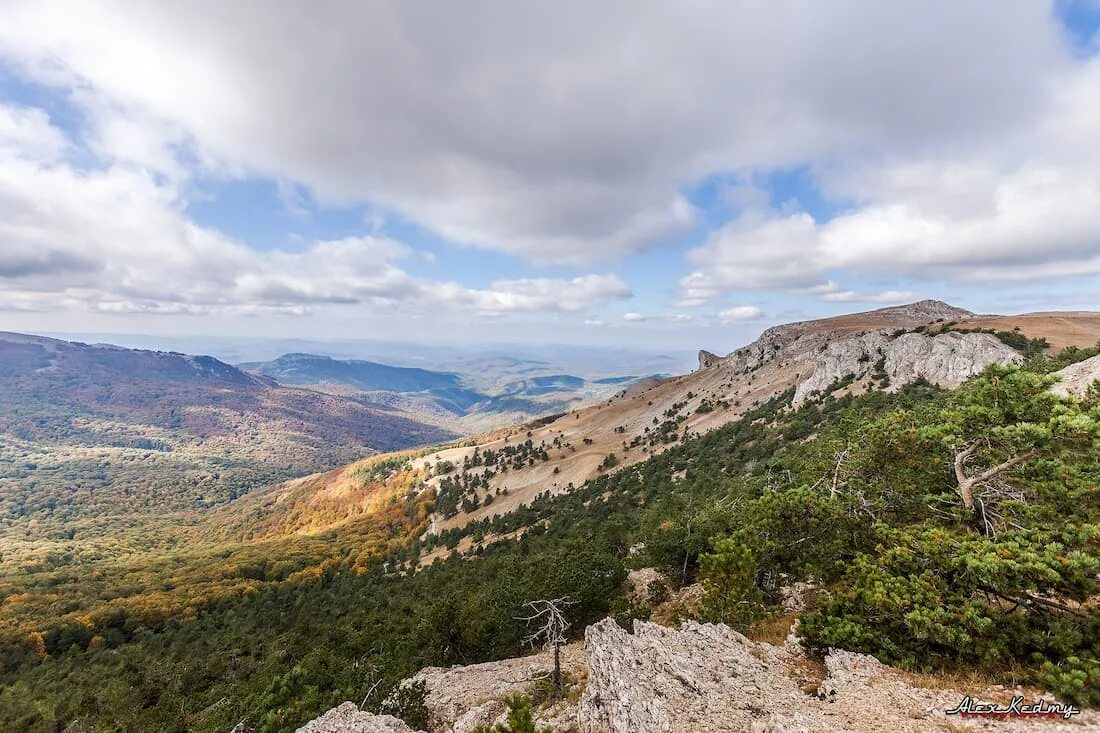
(464, 697)
(947, 359)
(707, 359)
(347, 718)
(707, 677)
(700, 677)
(1077, 378)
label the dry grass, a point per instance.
(773, 629)
(1059, 329)
(970, 679)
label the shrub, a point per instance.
(407, 701)
(520, 718)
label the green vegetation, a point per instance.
(1029, 347)
(521, 719)
(858, 493)
(963, 530)
(407, 702)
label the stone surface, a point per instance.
(463, 697)
(647, 585)
(1077, 378)
(796, 596)
(347, 718)
(707, 677)
(707, 359)
(947, 359)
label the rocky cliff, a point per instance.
(947, 359)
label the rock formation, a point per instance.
(701, 677)
(347, 718)
(1077, 378)
(707, 359)
(461, 698)
(947, 359)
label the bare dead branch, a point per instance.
(549, 612)
(966, 484)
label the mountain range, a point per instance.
(496, 391)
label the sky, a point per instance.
(634, 173)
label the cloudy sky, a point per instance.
(643, 173)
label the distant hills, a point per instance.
(367, 376)
(496, 390)
(99, 429)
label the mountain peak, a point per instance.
(929, 308)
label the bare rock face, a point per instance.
(707, 677)
(1077, 378)
(699, 677)
(831, 349)
(707, 359)
(462, 698)
(347, 718)
(947, 359)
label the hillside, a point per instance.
(365, 376)
(849, 354)
(89, 430)
(881, 349)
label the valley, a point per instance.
(489, 392)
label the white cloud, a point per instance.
(552, 132)
(1013, 213)
(1026, 223)
(739, 313)
(115, 241)
(755, 252)
(633, 316)
(886, 296)
(26, 134)
(959, 150)
(540, 294)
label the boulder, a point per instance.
(348, 718)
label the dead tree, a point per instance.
(967, 484)
(840, 456)
(551, 633)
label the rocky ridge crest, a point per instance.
(876, 344)
(700, 677)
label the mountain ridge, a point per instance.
(850, 353)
